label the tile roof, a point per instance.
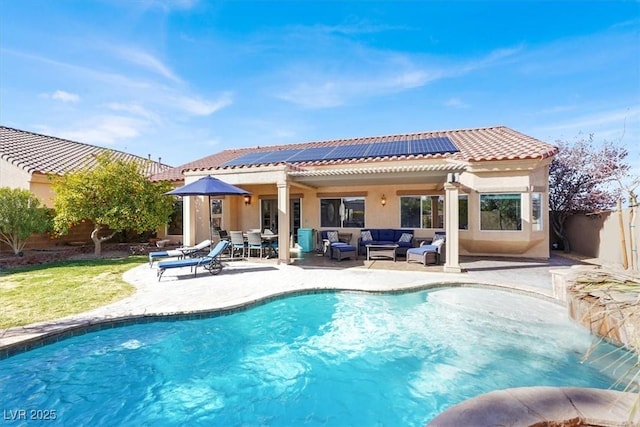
(33, 152)
(474, 145)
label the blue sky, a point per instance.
(184, 79)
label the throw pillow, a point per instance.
(366, 236)
(332, 236)
(406, 237)
(438, 240)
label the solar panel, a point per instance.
(246, 159)
(393, 148)
(277, 156)
(310, 154)
(437, 145)
(353, 151)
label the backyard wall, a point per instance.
(598, 236)
(77, 234)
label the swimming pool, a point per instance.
(322, 359)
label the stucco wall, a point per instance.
(599, 235)
(473, 241)
(13, 177)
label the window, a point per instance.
(536, 211)
(500, 212)
(343, 212)
(216, 214)
(463, 212)
(174, 226)
(422, 212)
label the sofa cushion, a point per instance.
(397, 234)
(437, 240)
(386, 234)
(405, 238)
(365, 236)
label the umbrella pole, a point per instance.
(210, 225)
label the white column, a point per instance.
(189, 221)
(283, 222)
(452, 262)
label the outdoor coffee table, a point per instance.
(384, 251)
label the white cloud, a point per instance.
(134, 109)
(105, 130)
(61, 95)
(618, 118)
(203, 107)
(371, 73)
(148, 61)
(456, 103)
(335, 90)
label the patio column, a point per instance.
(452, 263)
(189, 221)
(283, 222)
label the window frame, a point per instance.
(423, 198)
(341, 213)
(537, 225)
(501, 196)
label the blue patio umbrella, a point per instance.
(208, 186)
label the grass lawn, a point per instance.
(46, 292)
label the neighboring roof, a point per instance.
(474, 145)
(43, 154)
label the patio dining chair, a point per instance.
(255, 243)
(237, 244)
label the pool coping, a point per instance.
(543, 406)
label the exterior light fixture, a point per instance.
(247, 199)
(383, 200)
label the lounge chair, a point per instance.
(427, 252)
(179, 252)
(210, 262)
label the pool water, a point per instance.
(337, 359)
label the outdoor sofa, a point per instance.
(385, 236)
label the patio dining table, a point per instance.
(271, 240)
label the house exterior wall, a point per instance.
(12, 176)
(525, 179)
(15, 177)
(473, 241)
(40, 185)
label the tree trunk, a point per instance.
(557, 224)
(97, 241)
